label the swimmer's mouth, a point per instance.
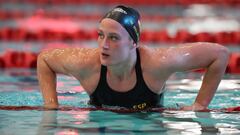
(105, 55)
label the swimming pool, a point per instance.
(19, 87)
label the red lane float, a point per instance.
(234, 63)
(7, 15)
(118, 110)
(18, 34)
(132, 2)
(18, 59)
(182, 35)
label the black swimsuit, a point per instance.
(140, 97)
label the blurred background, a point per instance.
(30, 26)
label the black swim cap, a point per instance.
(128, 18)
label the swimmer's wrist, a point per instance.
(198, 106)
(50, 104)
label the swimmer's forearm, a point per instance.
(47, 82)
(212, 79)
(208, 89)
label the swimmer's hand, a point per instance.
(50, 106)
(195, 107)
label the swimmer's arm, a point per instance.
(46, 72)
(55, 61)
(212, 57)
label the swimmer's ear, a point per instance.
(135, 45)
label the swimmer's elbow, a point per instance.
(220, 61)
(41, 55)
(44, 62)
(49, 62)
(223, 53)
(218, 49)
(42, 58)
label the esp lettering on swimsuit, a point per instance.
(140, 106)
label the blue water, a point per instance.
(20, 88)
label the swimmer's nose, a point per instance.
(105, 44)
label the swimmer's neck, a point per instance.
(124, 70)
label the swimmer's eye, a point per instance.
(100, 35)
(114, 38)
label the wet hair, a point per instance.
(129, 18)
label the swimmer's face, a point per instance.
(114, 42)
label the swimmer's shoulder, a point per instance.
(155, 58)
(151, 55)
(84, 57)
(73, 59)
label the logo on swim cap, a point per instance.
(120, 10)
(128, 20)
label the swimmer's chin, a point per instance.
(105, 63)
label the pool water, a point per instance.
(20, 88)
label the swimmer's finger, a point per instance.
(50, 107)
(194, 108)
